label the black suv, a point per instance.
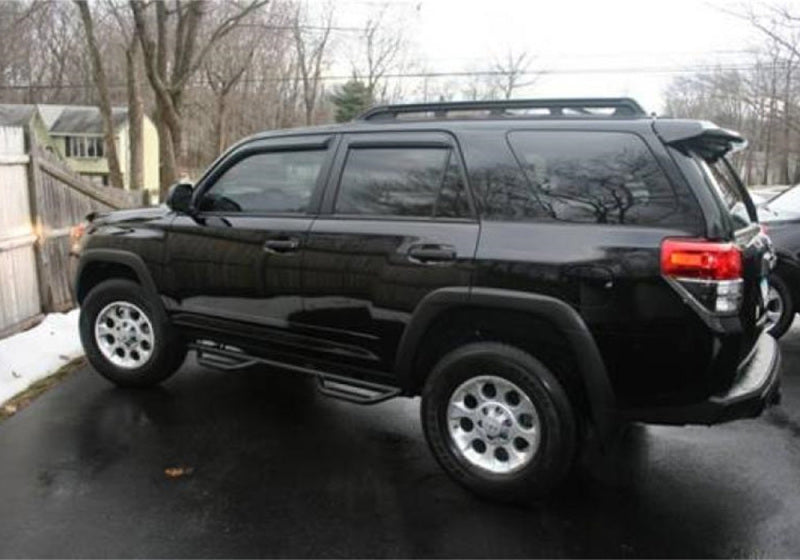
(539, 271)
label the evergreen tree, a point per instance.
(351, 99)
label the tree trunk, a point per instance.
(175, 124)
(168, 79)
(221, 123)
(99, 77)
(135, 118)
(167, 168)
(167, 119)
(787, 124)
(769, 126)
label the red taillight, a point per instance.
(697, 258)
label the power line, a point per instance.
(303, 27)
(435, 75)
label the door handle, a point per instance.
(432, 254)
(284, 245)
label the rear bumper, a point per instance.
(757, 386)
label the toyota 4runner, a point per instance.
(539, 271)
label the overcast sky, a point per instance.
(586, 48)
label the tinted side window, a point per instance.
(279, 182)
(413, 182)
(599, 177)
(500, 188)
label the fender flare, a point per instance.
(569, 323)
(117, 256)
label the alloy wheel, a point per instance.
(124, 335)
(493, 424)
(775, 307)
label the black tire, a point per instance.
(552, 459)
(168, 349)
(779, 328)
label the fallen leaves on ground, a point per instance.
(178, 472)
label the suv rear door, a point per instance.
(396, 224)
(709, 169)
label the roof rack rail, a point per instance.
(610, 107)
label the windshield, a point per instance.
(788, 201)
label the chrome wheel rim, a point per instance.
(493, 424)
(124, 335)
(774, 307)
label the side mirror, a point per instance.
(179, 198)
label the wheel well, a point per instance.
(99, 271)
(529, 332)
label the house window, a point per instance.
(84, 146)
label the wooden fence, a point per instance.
(40, 200)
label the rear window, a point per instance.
(404, 181)
(596, 177)
(721, 177)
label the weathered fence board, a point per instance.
(40, 200)
(19, 296)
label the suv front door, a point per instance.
(396, 223)
(239, 257)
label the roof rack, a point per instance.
(610, 107)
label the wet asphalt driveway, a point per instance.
(277, 470)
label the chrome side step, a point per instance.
(355, 390)
(220, 356)
(230, 358)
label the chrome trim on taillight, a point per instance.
(727, 296)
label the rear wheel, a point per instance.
(780, 307)
(127, 337)
(499, 422)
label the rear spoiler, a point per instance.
(704, 137)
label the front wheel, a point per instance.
(127, 337)
(499, 422)
(780, 307)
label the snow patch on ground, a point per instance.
(34, 354)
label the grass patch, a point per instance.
(25, 398)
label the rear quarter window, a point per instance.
(594, 177)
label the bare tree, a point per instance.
(169, 74)
(224, 70)
(770, 95)
(42, 53)
(782, 29)
(513, 72)
(101, 83)
(480, 86)
(134, 94)
(310, 45)
(380, 46)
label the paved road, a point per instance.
(282, 471)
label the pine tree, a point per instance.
(351, 99)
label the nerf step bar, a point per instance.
(359, 391)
